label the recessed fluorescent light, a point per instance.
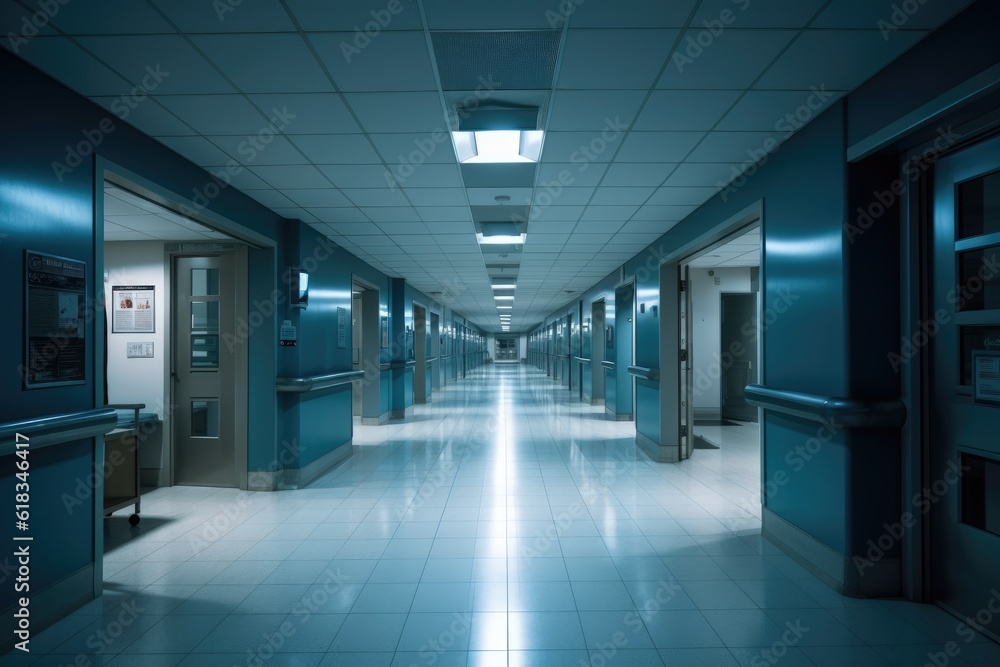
(501, 240)
(502, 297)
(505, 307)
(493, 146)
(503, 286)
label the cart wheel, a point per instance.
(133, 520)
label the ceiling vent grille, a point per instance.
(510, 60)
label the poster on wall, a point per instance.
(55, 321)
(384, 332)
(341, 328)
(132, 310)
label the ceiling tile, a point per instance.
(194, 16)
(426, 175)
(732, 60)
(627, 14)
(685, 109)
(148, 116)
(609, 212)
(347, 214)
(68, 63)
(414, 149)
(608, 111)
(353, 229)
(586, 174)
(317, 198)
(108, 17)
(735, 146)
(259, 63)
(356, 175)
(289, 177)
(357, 16)
(309, 113)
(614, 196)
(771, 110)
(637, 173)
(393, 61)
(341, 149)
(866, 14)
(436, 196)
(746, 14)
(561, 213)
(399, 112)
(444, 214)
(371, 197)
(614, 58)
(270, 198)
(179, 69)
(546, 196)
(682, 196)
(510, 15)
(216, 114)
(237, 176)
(197, 149)
(860, 53)
(391, 214)
(580, 148)
(659, 212)
(262, 149)
(658, 146)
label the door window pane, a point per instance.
(981, 493)
(205, 419)
(972, 339)
(204, 316)
(979, 206)
(979, 279)
(204, 282)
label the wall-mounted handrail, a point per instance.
(610, 365)
(57, 429)
(843, 412)
(317, 382)
(431, 360)
(582, 360)
(645, 373)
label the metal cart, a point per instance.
(121, 468)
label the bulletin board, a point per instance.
(55, 321)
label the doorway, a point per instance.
(434, 363)
(421, 343)
(622, 409)
(365, 332)
(597, 343)
(739, 345)
(204, 371)
(963, 451)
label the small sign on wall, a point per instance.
(289, 334)
(341, 328)
(986, 377)
(132, 309)
(139, 350)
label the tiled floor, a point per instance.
(504, 524)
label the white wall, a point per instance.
(707, 328)
(136, 380)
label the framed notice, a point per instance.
(55, 304)
(986, 377)
(341, 328)
(384, 332)
(133, 308)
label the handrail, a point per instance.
(582, 360)
(317, 382)
(57, 429)
(431, 360)
(385, 367)
(610, 365)
(843, 412)
(645, 373)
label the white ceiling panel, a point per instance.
(436, 196)
(609, 212)
(270, 198)
(399, 112)
(293, 177)
(630, 14)
(354, 229)
(336, 149)
(198, 149)
(637, 173)
(70, 64)
(265, 63)
(148, 116)
(614, 196)
(356, 175)
(264, 149)
(426, 175)
(309, 113)
(166, 64)
(296, 213)
(237, 176)
(371, 197)
(769, 110)
(391, 214)
(347, 214)
(393, 61)
(444, 213)
(681, 196)
(659, 212)
(350, 15)
(735, 146)
(587, 174)
(562, 196)
(747, 14)
(733, 60)
(318, 198)
(580, 148)
(415, 149)
(658, 146)
(699, 173)
(685, 109)
(595, 111)
(108, 17)
(196, 16)
(561, 213)
(614, 58)
(860, 53)
(217, 114)
(866, 14)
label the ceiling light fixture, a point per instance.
(503, 297)
(497, 134)
(505, 307)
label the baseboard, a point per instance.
(296, 478)
(614, 416)
(155, 477)
(400, 413)
(882, 578)
(375, 421)
(50, 605)
(656, 451)
(597, 401)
